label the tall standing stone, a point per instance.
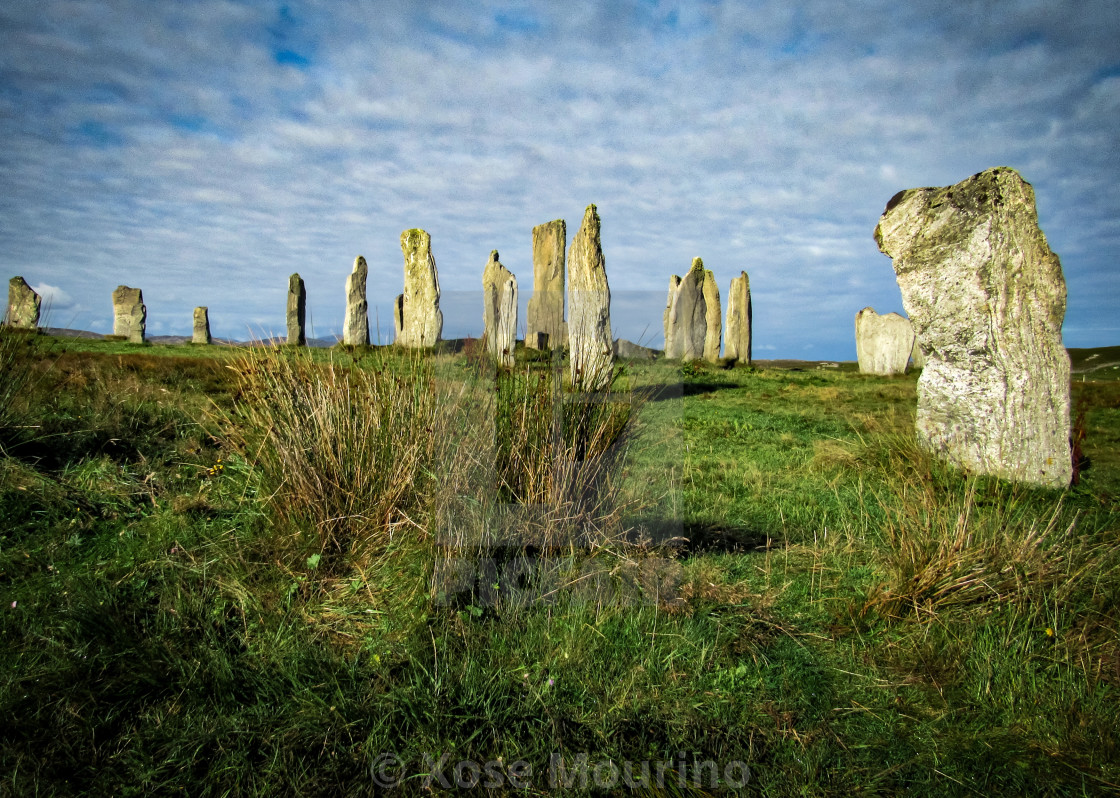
(130, 317)
(297, 311)
(686, 316)
(499, 310)
(546, 305)
(23, 305)
(201, 326)
(737, 341)
(417, 317)
(713, 318)
(590, 346)
(986, 297)
(883, 343)
(355, 330)
(917, 357)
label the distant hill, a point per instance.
(1082, 361)
(1100, 358)
(171, 340)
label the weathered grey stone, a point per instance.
(130, 317)
(355, 330)
(628, 350)
(686, 317)
(917, 357)
(297, 311)
(23, 305)
(418, 319)
(499, 310)
(201, 326)
(883, 343)
(737, 341)
(546, 305)
(986, 297)
(590, 347)
(713, 318)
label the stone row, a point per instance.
(984, 293)
(693, 317)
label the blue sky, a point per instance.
(204, 150)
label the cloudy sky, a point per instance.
(203, 150)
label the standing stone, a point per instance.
(355, 330)
(398, 316)
(129, 314)
(686, 317)
(546, 305)
(628, 350)
(713, 318)
(201, 326)
(917, 357)
(417, 317)
(23, 305)
(737, 343)
(499, 310)
(297, 311)
(986, 297)
(591, 349)
(883, 343)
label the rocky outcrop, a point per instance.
(417, 317)
(685, 317)
(130, 316)
(499, 310)
(546, 305)
(713, 318)
(883, 343)
(201, 334)
(355, 329)
(986, 297)
(737, 340)
(297, 311)
(590, 347)
(23, 305)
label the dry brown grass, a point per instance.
(990, 543)
(356, 456)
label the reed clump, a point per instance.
(950, 540)
(356, 454)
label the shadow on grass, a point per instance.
(689, 538)
(661, 393)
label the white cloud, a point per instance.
(167, 146)
(54, 298)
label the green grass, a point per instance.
(838, 611)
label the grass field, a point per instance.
(320, 573)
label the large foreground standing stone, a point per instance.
(737, 341)
(499, 310)
(713, 318)
(130, 317)
(297, 311)
(686, 317)
(417, 317)
(355, 330)
(883, 343)
(546, 305)
(201, 326)
(23, 305)
(986, 297)
(590, 347)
